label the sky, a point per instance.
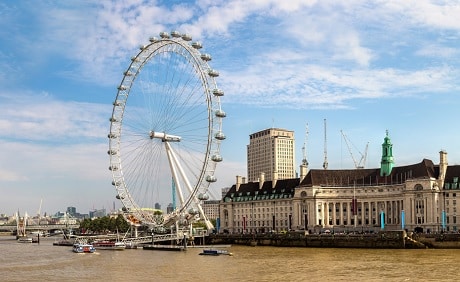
(363, 66)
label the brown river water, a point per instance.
(45, 262)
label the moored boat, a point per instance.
(63, 242)
(174, 248)
(109, 245)
(25, 240)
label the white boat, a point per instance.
(25, 240)
(83, 248)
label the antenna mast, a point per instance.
(325, 164)
(304, 148)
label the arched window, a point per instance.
(418, 187)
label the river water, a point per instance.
(45, 262)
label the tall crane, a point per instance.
(362, 161)
(325, 163)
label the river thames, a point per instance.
(45, 262)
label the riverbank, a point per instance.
(381, 240)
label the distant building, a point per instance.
(157, 206)
(97, 213)
(72, 211)
(420, 197)
(270, 155)
(211, 208)
(169, 208)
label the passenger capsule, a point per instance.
(112, 135)
(218, 92)
(197, 45)
(164, 34)
(135, 59)
(142, 47)
(117, 103)
(112, 119)
(216, 158)
(221, 114)
(175, 34)
(206, 57)
(213, 73)
(121, 87)
(193, 211)
(119, 197)
(187, 37)
(116, 183)
(128, 73)
(113, 168)
(153, 39)
(211, 178)
(111, 152)
(203, 197)
(220, 136)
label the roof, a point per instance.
(284, 188)
(350, 177)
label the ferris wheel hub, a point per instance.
(164, 137)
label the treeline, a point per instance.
(104, 224)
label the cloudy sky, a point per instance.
(364, 66)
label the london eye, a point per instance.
(165, 133)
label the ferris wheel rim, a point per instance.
(146, 53)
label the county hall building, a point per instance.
(418, 197)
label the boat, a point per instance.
(214, 252)
(131, 245)
(25, 240)
(173, 248)
(63, 242)
(109, 245)
(83, 248)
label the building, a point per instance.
(271, 153)
(211, 209)
(419, 197)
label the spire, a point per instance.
(387, 163)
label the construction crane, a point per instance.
(362, 161)
(325, 163)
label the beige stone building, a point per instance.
(419, 197)
(271, 152)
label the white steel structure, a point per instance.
(164, 141)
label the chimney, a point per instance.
(261, 180)
(442, 168)
(274, 179)
(238, 182)
(243, 180)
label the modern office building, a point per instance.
(418, 197)
(270, 154)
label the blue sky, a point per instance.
(364, 66)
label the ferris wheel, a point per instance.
(165, 133)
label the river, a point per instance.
(45, 262)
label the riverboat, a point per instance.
(212, 252)
(174, 248)
(109, 245)
(83, 248)
(25, 240)
(63, 242)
